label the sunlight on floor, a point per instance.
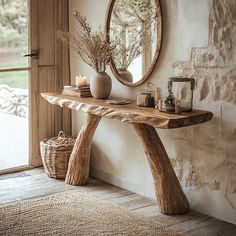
(13, 141)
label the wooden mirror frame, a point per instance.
(157, 52)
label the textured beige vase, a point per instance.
(100, 85)
(126, 75)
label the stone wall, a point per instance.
(213, 160)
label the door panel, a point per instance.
(51, 70)
(47, 28)
(47, 116)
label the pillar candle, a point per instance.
(81, 81)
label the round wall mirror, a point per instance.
(135, 27)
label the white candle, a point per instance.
(81, 80)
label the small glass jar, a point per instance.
(157, 96)
(145, 97)
(168, 103)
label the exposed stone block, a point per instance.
(212, 149)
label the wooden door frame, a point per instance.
(33, 86)
(59, 69)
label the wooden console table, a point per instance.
(170, 196)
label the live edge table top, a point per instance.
(129, 113)
(170, 196)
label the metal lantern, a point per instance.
(182, 89)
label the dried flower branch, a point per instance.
(131, 30)
(92, 47)
(125, 52)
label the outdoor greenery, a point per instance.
(13, 41)
(13, 23)
(14, 64)
(17, 79)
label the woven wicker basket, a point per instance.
(55, 153)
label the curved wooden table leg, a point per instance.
(169, 193)
(78, 168)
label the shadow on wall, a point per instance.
(212, 163)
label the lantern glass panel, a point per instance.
(182, 89)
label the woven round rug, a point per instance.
(74, 213)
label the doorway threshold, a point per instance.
(16, 169)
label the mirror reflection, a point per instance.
(135, 28)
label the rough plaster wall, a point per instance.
(199, 36)
(213, 163)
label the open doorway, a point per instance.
(14, 81)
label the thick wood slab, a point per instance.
(130, 113)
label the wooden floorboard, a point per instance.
(229, 232)
(213, 227)
(35, 183)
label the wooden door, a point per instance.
(48, 73)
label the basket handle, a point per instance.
(61, 134)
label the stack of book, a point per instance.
(81, 91)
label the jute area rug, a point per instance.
(74, 213)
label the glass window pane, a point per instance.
(13, 119)
(13, 33)
(17, 79)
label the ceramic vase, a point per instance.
(100, 85)
(126, 75)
